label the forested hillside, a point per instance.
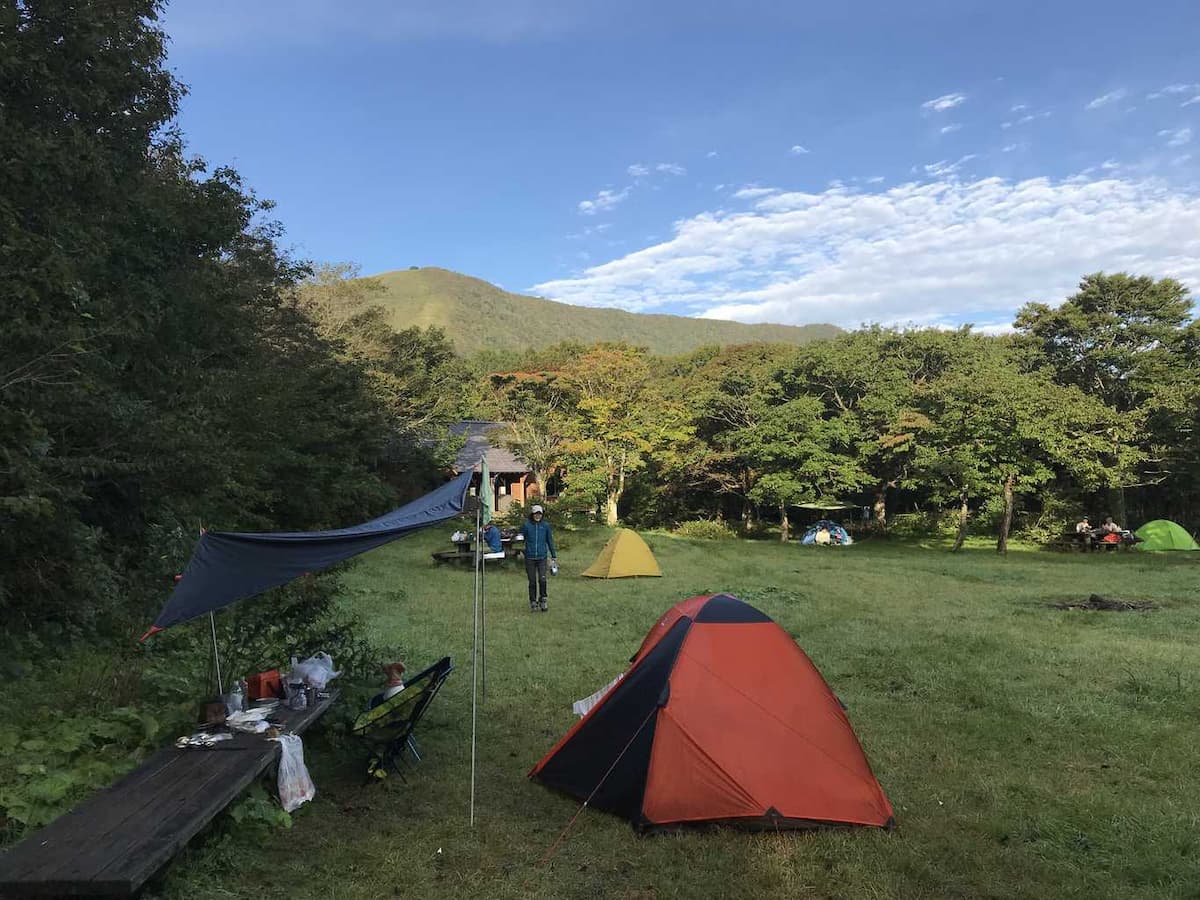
(478, 316)
(1090, 407)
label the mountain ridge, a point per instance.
(478, 315)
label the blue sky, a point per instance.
(932, 162)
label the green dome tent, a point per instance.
(1163, 534)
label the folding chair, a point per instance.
(388, 728)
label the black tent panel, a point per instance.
(724, 609)
(618, 735)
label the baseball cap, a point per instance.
(536, 509)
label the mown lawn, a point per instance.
(1028, 751)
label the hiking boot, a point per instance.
(533, 607)
(544, 606)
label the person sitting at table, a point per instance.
(491, 537)
(1110, 527)
(1083, 526)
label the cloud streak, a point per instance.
(1106, 99)
(602, 202)
(944, 102)
(935, 253)
(753, 192)
(1026, 119)
(1172, 89)
(943, 167)
(1176, 137)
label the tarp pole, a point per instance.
(212, 622)
(483, 629)
(475, 658)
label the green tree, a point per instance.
(996, 431)
(870, 379)
(617, 420)
(1123, 339)
(803, 455)
(155, 371)
(1114, 338)
(531, 405)
(730, 395)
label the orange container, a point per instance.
(264, 684)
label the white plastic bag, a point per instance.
(295, 786)
(584, 706)
(316, 671)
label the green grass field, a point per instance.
(1028, 751)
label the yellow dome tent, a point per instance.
(624, 556)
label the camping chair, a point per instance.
(388, 728)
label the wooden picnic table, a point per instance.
(464, 550)
(114, 841)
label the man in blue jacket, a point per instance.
(539, 545)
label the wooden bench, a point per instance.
(444, 556)
(114, 841)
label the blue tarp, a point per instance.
(228, 566)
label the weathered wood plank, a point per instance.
(112, 843)
(201, 777)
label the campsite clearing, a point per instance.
(1028, 752)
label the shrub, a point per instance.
(705, 530)
(923, 524)
(261, 633)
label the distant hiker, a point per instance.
(539, 546)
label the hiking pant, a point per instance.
(535, 569)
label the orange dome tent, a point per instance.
(720, 718)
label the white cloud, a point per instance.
(1195, 99)
(711, 154)
(1010, 148)
(753, 192)
(947, 129)
(798, 150)
(637, 170)
(944, 102)
(1026, 119)
(602, 202)
(875, 179)
(1018, 107)
(993, 328)
(943, 167)
(1176, 137)
(941, 252)
(1173, 89)
(1109, 165)
(1105, 99)
(670, 169)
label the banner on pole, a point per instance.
(487, 493)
